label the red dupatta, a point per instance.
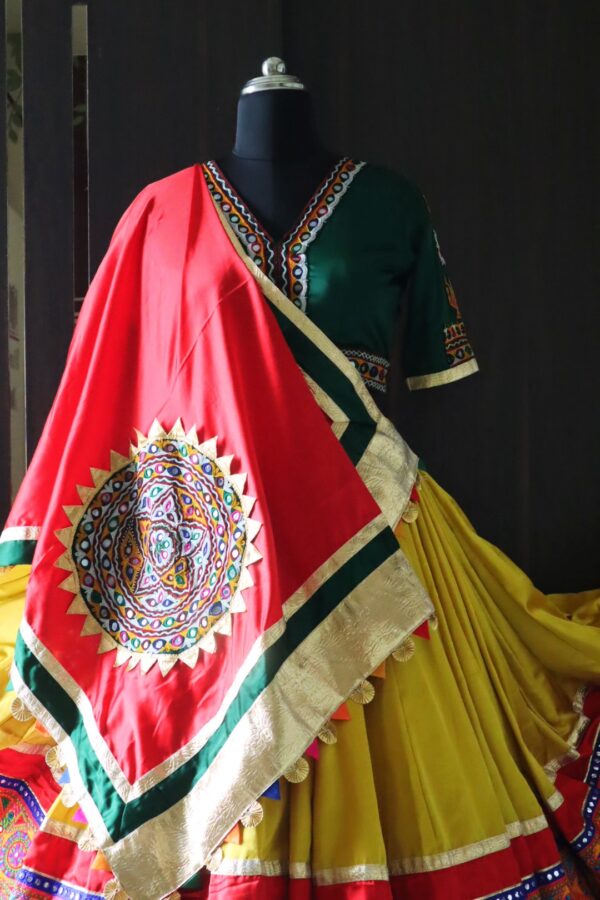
(208, 518)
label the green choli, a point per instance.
(363, 245)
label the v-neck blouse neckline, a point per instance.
(283, 260)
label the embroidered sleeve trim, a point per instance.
(417, 382)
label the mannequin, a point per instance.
(277, 159)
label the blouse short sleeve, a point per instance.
(437, 349)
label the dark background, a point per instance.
(491, 107)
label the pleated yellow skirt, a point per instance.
(443, 785)
(470, 771)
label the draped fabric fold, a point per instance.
(209, 521)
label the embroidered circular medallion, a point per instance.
(160, 550)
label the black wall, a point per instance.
(491, 107)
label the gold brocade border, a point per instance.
(274, 868)
(124, 788)
(263, 868)
(388, 466)
(417, 382)
(551, 768)
(31, 749)
(62, 830)
(303, 870)
(346, 874)
(309, 687)
(375, 872)
(555, 800)
(20, 533)
(339, 420)
(414, 865)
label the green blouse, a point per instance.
(362, 246)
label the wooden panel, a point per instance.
(490, 108)
(162, 92)
(4, 376)
(48, 148)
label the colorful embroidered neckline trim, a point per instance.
(283, 261)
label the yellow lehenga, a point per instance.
(453, 760)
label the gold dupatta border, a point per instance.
(435, 379)
(20, 533)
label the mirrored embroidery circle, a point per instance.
(159, 548)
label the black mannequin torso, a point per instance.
(277, 160)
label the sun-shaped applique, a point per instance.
(159, 549)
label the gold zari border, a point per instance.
(275, 868)
(374, 872)
(20, 533)
(551, 768)
(417, 382)
(450, 858)
(62, 830)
